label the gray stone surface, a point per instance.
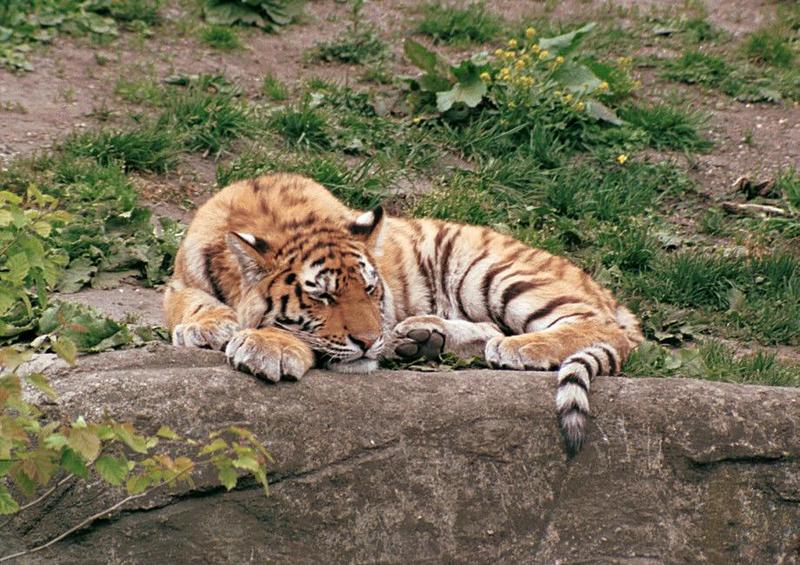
(402, 467)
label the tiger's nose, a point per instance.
(363, 341)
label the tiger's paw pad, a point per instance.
(512, 353)
(268, 357)
(417, 339)
(209, 334)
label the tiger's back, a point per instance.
(279, 263)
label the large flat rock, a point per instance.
(466, 466)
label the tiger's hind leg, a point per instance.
(197, 319)
(580, 351)
(430, 336)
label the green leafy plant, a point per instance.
(767, 47)
(37, 455)
(266, 14)
(220, 37)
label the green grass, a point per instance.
(220, 37)
(359, 44)
(139, 90)
(767, 48)
(273, 88)
(667, 126)
(454, 25)
(302, 126)
(146, 148)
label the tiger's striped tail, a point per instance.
(574, 381)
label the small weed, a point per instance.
(788, 184)
(220, 37)
(667, 126)
(273, 88)
(130, 11)
(358, 45)
(694, 67)
(767, 48)
(700, 30)
(139, 90)
(454, 25)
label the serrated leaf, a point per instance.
(77, 275)
(227, 475)
(246, 462)
(167, 433)
(136, 442)
(137, 484)
(567, 42)
(41, 383)
(7, 503)
(216, 445)
(600, 111)
(66, 349)
(55, 441)
(85, 442)
(73, 463)
(18, 267)
(111, 469)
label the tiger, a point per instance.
(283, 277)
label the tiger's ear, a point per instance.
(368, 227)
(249, 250)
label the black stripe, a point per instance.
(596, 358)
(511, 292)
(284, 303)
(460, 288)
(578, 315)
(549, 307)
(612, 359)
(196, 310)
(590, 372)
(573, 380)
(269, 305)
(219, 294)
(445, 263)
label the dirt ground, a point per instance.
(74, 81)
(69, 84)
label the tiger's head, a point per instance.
(321, 285)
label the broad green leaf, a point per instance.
(55, 441)
(77, 275)
(470, 94)
(41, 383)
(18, 267)
(7, 503)
(600, 111)
(5, 218)
(106, 280)
(126, 434)
(576, 77)
(85, 442)
(73, 463)
(112, 470)
(566, 43)
(421, 56)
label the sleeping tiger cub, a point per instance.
(282, 276)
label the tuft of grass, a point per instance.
(147, 148)
(358, 44)
(220, 37)
(788, 184)
(273, 88)
(139, 90)
(302, 126)
(768, 48)
(694, 67)
(206, 115)
(714, 361)
(667, 126)
(454, 25)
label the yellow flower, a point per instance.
(568, 98)
(504, 73)
(527, 81)
(510, 55)
(512, 43)
(603, 86)
(530, 33)
(535, 48)
(416, 120)
(520, 64)
(622, 158)
(559, 59)
(544, 54)
(499, 52)
(579, 106)
(486, 77)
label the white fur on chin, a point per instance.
(362, 365)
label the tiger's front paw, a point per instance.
(269, 354)
(419, 337)
(519, 353)
(211, 333)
